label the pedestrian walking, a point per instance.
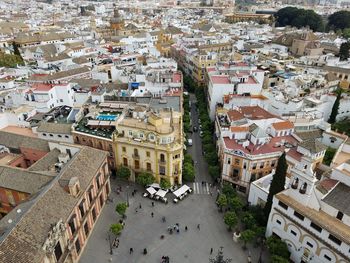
(152, 214)
(186, 228)
(145, 251)
(211, 251)
(135, 210)
(199, 227)
(163, 219)
(152, 203)
(140, 206)
(131, 250)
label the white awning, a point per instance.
(93, 122)
(151, 190)
(183, 189)
(161, 193)
(155, 185)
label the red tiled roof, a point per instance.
(220, 79)
(234, 115)
(252, 149)
(293, 153)
(283, 125)
(176, 77)
(328, 183)
(239, 128)
(256, 113)
(42, 86)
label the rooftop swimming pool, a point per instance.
(103, 117)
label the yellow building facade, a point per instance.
(150, 142)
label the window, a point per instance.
(293, 233)
(334, 239)
(149, 166)
(309, 244)
(273, 163)
(72, 225)
(77, 246)
(94, 214)
(136, 153)
(137, 164)
(44, 134)
(253, 177)
(58, 251)
(123, 149)
(86, 229)
(261, 165)
(51, 135)
(81, 208)
(125, 161)
(59, 136)
(228, 160)
(148, 154)
(235, 172)
(98, 181)
(296, 214)
(66, 136)
(130, 133)
(340, 215)
(283, 205)
(254, 166)
(327, 257)
(162, 170)
(278, 222)
(316, 227)
(162, 157)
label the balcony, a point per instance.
(136, 156)
(161, 162)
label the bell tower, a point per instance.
(116, 22)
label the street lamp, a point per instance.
(110, 244)
(127, 195)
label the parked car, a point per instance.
(195, 129)
(201, 133)
(189, 142)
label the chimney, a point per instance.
(74, 186)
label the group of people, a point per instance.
(165, 259)
(116, 242)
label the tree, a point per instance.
(247, 236)
(211, 158)
(188, 172)
(277, 247)
(346, 33)
(222, 201)
(116, 229)
(145, 178)
(10, 61)
(220, 258)
(121, 208)
(335, 108)
(292, 16)
(16, 50)
(228, 190)
(278, 182)
(164, 183)
(235, 203)
(248, 220)
(339, 20)
(278, 259)
(230, 219)
(344, 51)
(214, 171)
(123, 172)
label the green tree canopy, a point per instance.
(188, 172)
(344, 51)
(277, 247)
(121, 208)
(116, 229)
(230, 219)
(228, 190)
(278, 182)
(235, 203)
(292, 16)
(145, 178)
(248, 220)
(214, 171)
(339, 20)
(278, 259)
(164, 183)
(10, 61)
(222, 201)
(247, 236)
(333, 117)
(123, 172)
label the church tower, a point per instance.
(116, 22)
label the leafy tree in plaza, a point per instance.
(214, 171)
(278, 182)
(248, 220)
(145, 178)
(220, 258)
(10, 61)
(116, 229)
(121, 208)
(259, 215)
(211, 158)
(222, 201)
(247, 236)
(277, 247)
(339, 20)
(278, 259)
(228, 190)
(188, 158)
(164, 183)
(230, 219)
(335, 108)
(344, 51)
(123, 172)
(235, 203)
(188, 173)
